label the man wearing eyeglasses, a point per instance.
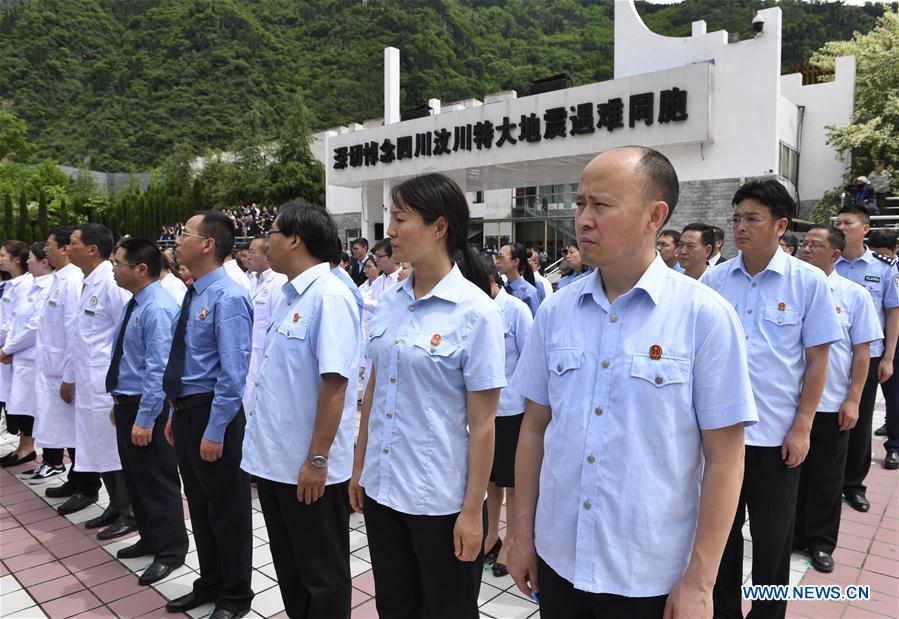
(788, 320)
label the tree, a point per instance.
(63, 213)
(42, 216)
(7, 217)
(14, 144)
(23, 225)
(874, 130)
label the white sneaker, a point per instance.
(46, 474)
(26, 475)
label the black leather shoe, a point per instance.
(892, 460)
(156, 572)
(133, 551)
(491, 555)
(109, 515)
(59, 492)
(822, 561)
(188, 602)
(76, 503)
(881, 431)
(122, 526)
(221, 613)
(16, 460)
(858, 502)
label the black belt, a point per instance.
(125, 400)
(192, 401)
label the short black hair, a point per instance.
(18, 251)
(98, 235)
(835, 236)
(61, 234)
(219, 227)
(705, 232)
(851, 209)
(674, 234)
(883, 238)
(790, 239)
(142, 251)
(772, 194)
(385, 245)
(360, 241)
(39, 250)
(314, 226)
(659, 177)
(719, 234)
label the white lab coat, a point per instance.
(55, 422)
(173, 285)
(20, 343)
(96, 327)
(266, 297)
(15, 288)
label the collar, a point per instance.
(778, 264)
(301, 282)
(833, 279)
(69, 268)
(202, 283)
(146, 292)
(21, 279)
(868, 257)
(103, 270)
(651, 282)
(44, 280)
(502, 298)
(449, 288)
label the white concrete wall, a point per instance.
(830, 103)
(787, 121)
(497, 204)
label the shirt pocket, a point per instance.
(779, 321)
(660, 373)
(293, 330)
(565, 382)
(439, 349)
(375, 337)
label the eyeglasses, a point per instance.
(379, 256)
(119, 265)
(751, 220)
(195, 235)
(811, 244)
(271, 232)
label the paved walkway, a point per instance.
(50, 566)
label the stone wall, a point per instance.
(707, 202)
(345, 222)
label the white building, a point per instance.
(719, 110)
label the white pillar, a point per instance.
(391, 116)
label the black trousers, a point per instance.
(559, 599)
(218, 497)
(818, 505)
(858, 454)
(119, 500)
(769, 492)
(88, 483)
(22, 425)
(417, 574)
(310, 546)
(891, 395)
(151, 476)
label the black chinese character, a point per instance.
(582, 119)
(340, 157)
(483, 134)
(641, 108)
(387, 151)
(611, 114)
(404, 147)
(556, 119)
(672, 105)
(356, 155)
(505, 132)
(530, 128)
(370, 153)
(423, 144)
(441, 142)
(462, 137)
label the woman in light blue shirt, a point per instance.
(578, 268)
(513, 263)
(425, 446)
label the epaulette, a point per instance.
(884, 258)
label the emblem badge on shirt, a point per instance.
(839, 310)
(203, 314)
(436, 339)
(655, 352)
(264, 292)
(94, 300)
(872, 278)
(781, 307)
(296, 318)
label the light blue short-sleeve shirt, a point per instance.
(631, 384)
(784, 309)
(880, 279)
(517, 321)
(428, 354)
(314, 331)
(858, 318)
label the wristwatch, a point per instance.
(318, 462)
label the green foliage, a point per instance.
(23, 222)
(827, 206)
(7, 217)
(874, 130)
(42, 217)
(14, 143)
(116, 86)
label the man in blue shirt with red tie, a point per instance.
(204, 381)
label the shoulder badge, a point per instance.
(887, 259)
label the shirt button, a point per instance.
(780, 321)
(749, 311)
(386, 450)
(591, 459)
(433, 350)
(659, 380)
(393, 379)
(598, 410)
(290, 302)
(587, 505)
(396, 341)
(613, 318)
(559, 368)
(411, 308)
(389, 414)
(605, 363)
(257, 383)
(754, 284)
